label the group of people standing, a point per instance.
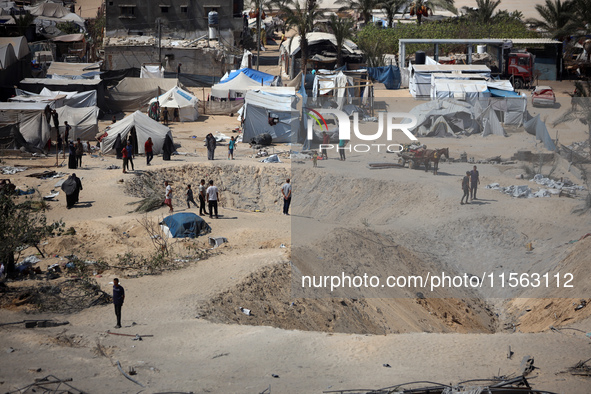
(470, 183)
(210, 193)
(211, 144)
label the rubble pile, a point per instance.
(553, 187)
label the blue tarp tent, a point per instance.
(252, 74)
(185, 225)
(502, 93)
(389, 76)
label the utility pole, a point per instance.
(259, 3)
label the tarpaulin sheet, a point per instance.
(31, 119)
(389, 76)
(185, 102)
(135, 93)
(152, 71)
(267, 79)
(84, 121)
(186, 225)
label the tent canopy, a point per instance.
(260, 107)
(135, 93)
(236, 87)
(57, 98)
(55, 12)
(19, 45)
(185, 225)
(145, 127)
(258, 76)
(179, 98)
(31, 119)
(72, 69)
(316, 38)
(7, 56)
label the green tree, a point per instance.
(303, 20)
(363, 7)
(20, 226)
(556, 17)
(23, 21)
(486, 10)
(391, 7)
(581, 16)
(342, 30)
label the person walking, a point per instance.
(466, 187)
(190, 197)
(211, 143)
(165, 116)
(286, 192)
(325, 142)
(72, 163)
(168, 196)
(124, 155)
(149, 149)
(342, 144)
(129, 148)
(72, 187)
(118, 298)
(202, 192)
(67, 129)
(176, 117)
(213, 196)
(79, 152)
(231, 146)
(474, 182)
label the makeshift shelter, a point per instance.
(234, 88)
(181, 99)
(265, 112)
(56, 13)
(139, 127)
(537, 127)
(70, 45)
(444, 118)
(57, 99)
(490, 123)
(11, 138)
(74, 70)
(135, 93)
(84, 121)
(36, 85)
(420, 75)
(184, 225)
(31, 120)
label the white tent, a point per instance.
(236, 87)
(420, 75)
(31, 120)
(260, 107)
(84, 121)
(179, 98)
(135, 93)
(145, 127)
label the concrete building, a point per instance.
(180, 19)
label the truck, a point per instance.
(519, 68)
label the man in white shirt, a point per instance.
(213, 196)
(286, 192)
(168, 196)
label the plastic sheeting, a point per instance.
(185, 225)
(260, 77)
(151, 71)
(389, 76)
(538, 128)
(84, 121)
(135, 93)
(187, 104)
(144, 128)
(31, 119)
(490, 123)
(260, 106)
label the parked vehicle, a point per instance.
(543, 96)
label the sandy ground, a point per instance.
(203, 343)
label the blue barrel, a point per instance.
(213, 18)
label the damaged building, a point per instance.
(172, 32)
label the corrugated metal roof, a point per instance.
(442, 68)
(534, 41)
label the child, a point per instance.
(315, 158)
(190, 197)
(231, 146)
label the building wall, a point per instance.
(209, 62)
(183, 19)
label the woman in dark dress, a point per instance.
(72, 156)
(72, 187)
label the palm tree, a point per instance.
(582, 15)
(303, 20)
(486, 10)
(23, 21)
(556, 17)
(424, 7)
(364, 7)
(342, 30)
(390, 7)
